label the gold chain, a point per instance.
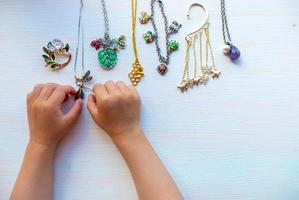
(137, 71)
(207, 66)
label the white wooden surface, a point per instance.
(235, 139)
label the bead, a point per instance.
(145, 17)
(173, 46)
(96, 44)
(234, 53)
(174, 27)
(226, 49)
(149, 37)
(162, 69)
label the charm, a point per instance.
(54, 49)
(231, 51)
(145, 18)
(149, 37)
(96, 44)
(80, 81)
(162, 69)
(79, 94)
(136, 73)
(234, 53)
(215, 74)
(182, 86)
(174, 28)
(108, 56)
(173, 46)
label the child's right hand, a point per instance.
(115, 107)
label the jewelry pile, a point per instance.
(204, 67)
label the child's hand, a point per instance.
(115, 107)
(47, 123)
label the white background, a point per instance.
(237, 138)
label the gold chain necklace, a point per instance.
(137, 71)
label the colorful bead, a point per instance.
(96, 44)
(145, 18)
(173, 46)
(174, 27)
(162, 69)
(149, 37)
(234, 53)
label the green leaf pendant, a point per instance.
(107, 58)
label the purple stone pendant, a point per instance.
(234, 53)
(162, 69)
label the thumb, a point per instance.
(74, 112)
(92, 105)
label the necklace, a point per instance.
(207, 67)
(81, 79)
(171, 46)
(108, 56)
(137, 71)
(230, 50)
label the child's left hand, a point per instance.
(47, 123)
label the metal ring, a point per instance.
(56, 48)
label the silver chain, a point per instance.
(162, 59)
(106, 21)
(80, 34)
(225, 30)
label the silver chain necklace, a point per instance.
(107, 57)
(81, 79)
(171, 46)
(230, 50)
(106, 21)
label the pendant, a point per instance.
(80, 81)
(174, 28)
(149, 37)
(145, 18)
(136, 73)
(173, 46)
(79, 94)
(232, 52)
(162, 69)
(108, 56)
